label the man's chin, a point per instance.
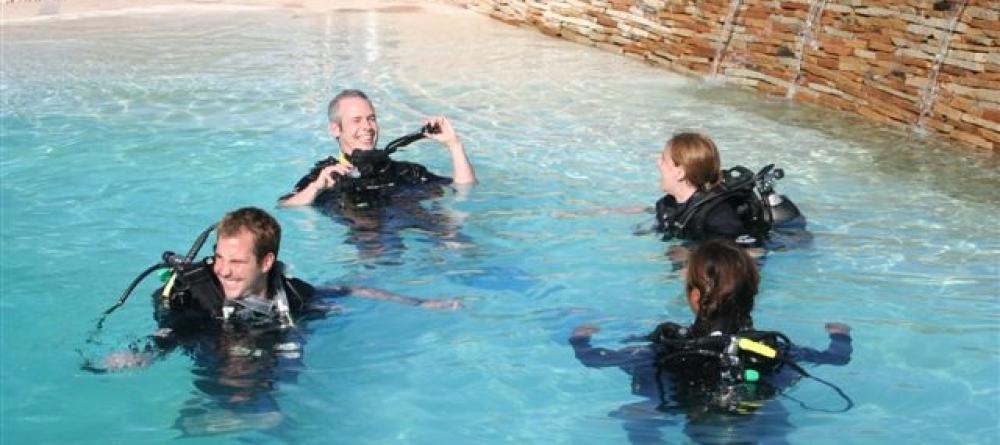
(366, 144)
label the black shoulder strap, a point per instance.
(668, 332)
(204, 288)
(691, 220)
(299, 291)
(738, 184)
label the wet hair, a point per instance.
(332, 109)
(727, 278)
(697, 155)
(265, 229)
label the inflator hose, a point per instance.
(128, 291)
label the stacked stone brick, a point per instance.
(898, 62)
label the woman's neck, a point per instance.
(683, 192)
(727, 326)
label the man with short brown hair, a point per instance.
(245, 293)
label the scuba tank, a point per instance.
(752, 196)
(783, 211)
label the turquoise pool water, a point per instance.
(126, 135)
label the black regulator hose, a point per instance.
(170, 260)
(200, 241)
(403, 141)
(92, 337)
(840, 392)
(128, 291)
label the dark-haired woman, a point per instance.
(722, 281)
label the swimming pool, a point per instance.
(126, 135)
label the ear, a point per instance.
(267, 262)
(335, 129)
(683, 176)
(694, 299)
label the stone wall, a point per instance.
(917, 64)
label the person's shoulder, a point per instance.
(300, 287)
(311, 176)
(667, 200)
(298, 282)
(329, 160)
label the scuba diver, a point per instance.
(719, 369)
(366, 172)
(704, 202)
(236, 314)
(373, 194)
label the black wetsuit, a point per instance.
(640, 363)
(719, 221)
(187, 313)
(379, 182)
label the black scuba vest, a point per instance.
(379, 178)
(720, 372)
(194, 301)
(734, 202)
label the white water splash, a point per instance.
(727, 30)
(929, 94)
(806, 38)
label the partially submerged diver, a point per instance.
(719, 365)
(363, 175)
(705, 202)
(240, 319)
(376, 196)
(240, 297)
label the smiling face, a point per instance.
(238, 269)
(355, 125)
